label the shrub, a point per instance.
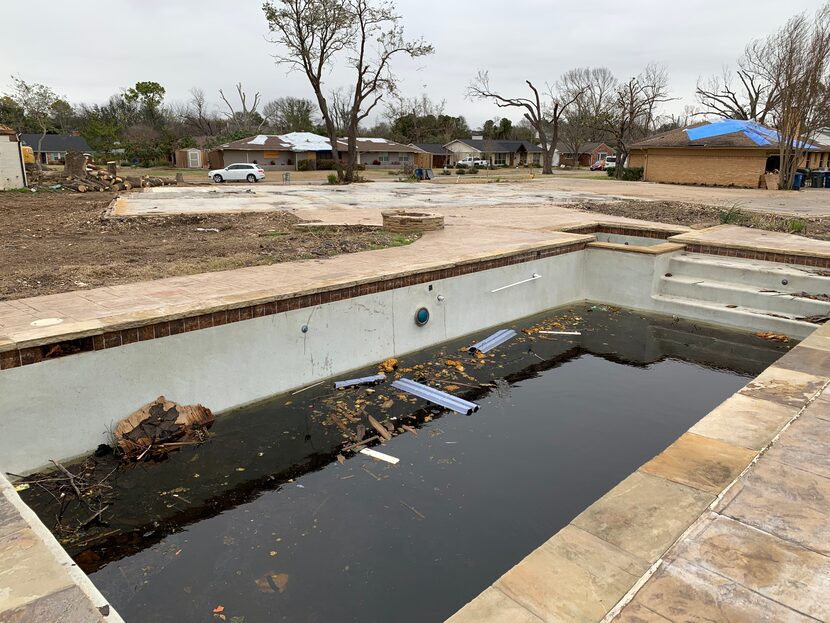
(473, 171)
(460, 165)
(302, 165)
(332, 178)
(375, 163)
(461, 171)
(324, 164)
(630, 174)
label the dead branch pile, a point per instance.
(81, 496)
(161, 426)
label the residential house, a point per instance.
(589, 153)
(53, 148)
(285, 151)
(497, 153)
(440, 155)
(12, 170)
(272, 152)
(381, 152)
(820, 158)
(727, 152)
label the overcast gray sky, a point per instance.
(88, 52)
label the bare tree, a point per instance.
(312, 33)
(795, 62)
(543, 112)
(631, 112)
(592, 89)
(198, 116)
(340, 106)
(247, 118)
(753, 98)
(37, 101)
(290, 114)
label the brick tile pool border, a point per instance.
(155, 329)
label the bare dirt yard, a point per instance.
(699, 216)
(54, 242)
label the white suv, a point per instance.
(610, 162)
(237, 173)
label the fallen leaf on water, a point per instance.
(272, 582)
(389, 365)
(388, 404)
(21, 487)
(218, 609)
(341, 459)
(768, 335)
(451, 388)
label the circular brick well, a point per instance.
(404, 221)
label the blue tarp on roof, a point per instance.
(757, 133)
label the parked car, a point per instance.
(469, 161)
(599, 165)
(237, 173)
(610, 163)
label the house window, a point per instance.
(55, 155)
(383, 156)
(601, 156)
(500, 158)
(404, 157)
(536, 158)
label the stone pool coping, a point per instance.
(38, 580)
(729, 520)
(756, 244)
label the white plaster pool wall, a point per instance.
(61, 408)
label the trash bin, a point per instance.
(817, 179)
(419, 173)
(798, 181)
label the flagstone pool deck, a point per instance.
(727, 524)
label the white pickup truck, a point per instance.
(469, 161)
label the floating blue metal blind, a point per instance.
(459, 405)
(499, 337)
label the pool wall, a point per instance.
(241, 362)
(228, 362)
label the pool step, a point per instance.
(765, 275)
(739, 317)
(741, 294)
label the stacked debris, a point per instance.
(82, 176)
(160, 426)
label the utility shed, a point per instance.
(12, 171)
(720, 153)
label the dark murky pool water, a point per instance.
(263, 521)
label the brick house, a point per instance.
(589, 153)
(720, 153)
(496, 152)
(54, 146)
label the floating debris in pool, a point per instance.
(366, 380)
